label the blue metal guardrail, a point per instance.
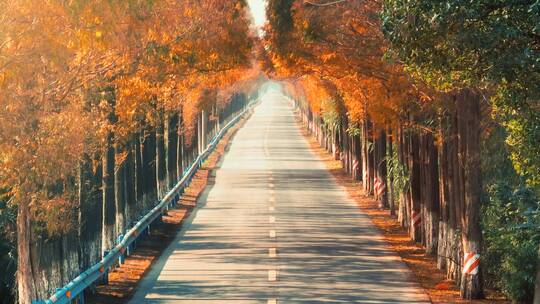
(74, 290)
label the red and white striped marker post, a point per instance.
(380, 186)
(355, 165)
(416, 218)
(471, 263)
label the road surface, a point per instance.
(276, 228)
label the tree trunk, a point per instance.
(469, 132)
(455, 198)
(380, 187)
(199, 133)
(403, 209)
(139, 167)
(171, 147)
(204, 127)
(335, 146)
(25, 276)
(120, 193)
(108, 165)
(414, 181)
(443, 259)
(356, 165)
(537, 288)
(391, 190)
(431, 194)
(161, 162)
(85, 207)
(368, 146)
(149, 167)
(344, 144)
(363, 154)
(180, 148)
(130, 178)
(109, 210)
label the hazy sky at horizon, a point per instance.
(258, 10)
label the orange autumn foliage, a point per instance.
(341, 44)
(57, 57)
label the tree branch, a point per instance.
(323, 4)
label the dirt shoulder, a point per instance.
(423, 266)
(123, 281)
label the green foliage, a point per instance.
(398, 173)
(354, 129)
(510, 221)
(465, 43)
(279, 14)
(518, 112)
(489, 44)
(511, 225)
(331, 116)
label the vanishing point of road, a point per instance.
(275, 227)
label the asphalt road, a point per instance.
(276, 228)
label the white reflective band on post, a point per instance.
(416, 218)
(471, 261)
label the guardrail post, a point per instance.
(105, 276)
(80, 298)
(105, 279)
(122, 257)
(133, 245)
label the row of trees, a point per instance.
(103, 105)
(420, 99)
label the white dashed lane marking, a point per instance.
(272, 219)
(272, 252)
(272, 233)
(272, 275)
